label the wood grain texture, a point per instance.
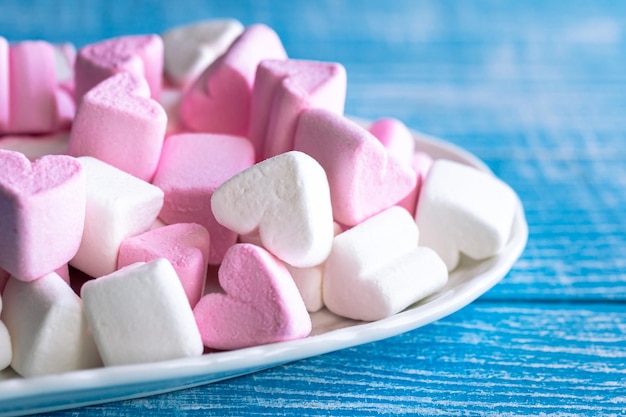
(537, 90)
(489, 358)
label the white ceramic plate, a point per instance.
(471, 279)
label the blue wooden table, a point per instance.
(537, 89)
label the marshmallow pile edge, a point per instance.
(164, 196)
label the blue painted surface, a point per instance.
(538, 91)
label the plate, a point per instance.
(19, 396)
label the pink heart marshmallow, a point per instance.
(220, 99)
(364, 180)
(118, 123)
(261, 304)
(141, 55)
(282, 89)
(43, 211)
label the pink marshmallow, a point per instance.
(395, 136)
(5, 103)
(282, 89)
(420, 163)
(363, 179)
(220, 99)
(65, 108)
(32, 90)
(118, 123)
(261, 305)
(141, 55)
(192, 166)
(185, 245)
(43, 205)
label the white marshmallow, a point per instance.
(309, 281)
(6, 352)
(140, 313)
(64, 57)
(376, 269)
(48, 328)
(464, 210)
(119, 205)
(287, 200)
(189, 49)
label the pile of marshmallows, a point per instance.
(135, 167)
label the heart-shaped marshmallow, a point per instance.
(261, 304)
(118, 123)
(282, 89)
(220, 99)
(190, 49)
(141, 55)
(464, 210)
(376, 269)
(363, 179)
(43, 211)
(286, 200)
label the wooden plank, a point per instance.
(520, 359)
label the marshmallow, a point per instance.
(5, 93)
(395, 137)
(464, 210)
(190, 49)
(32, 91)
(118, 123)
(220, 99)
(170, 101)
(309, 284)
(192, 167)
(420, 163)
(140, 314)
(34, 147)
(185, 245)
(6, 351)
(141, 55)
(368, 278)
(64, 60)
(261, 304)
(43, 210)
(363, 179)
(287, 201)
(65, 57)
(48, 329)
(118, 206)
(282, 90)
(308, 280)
